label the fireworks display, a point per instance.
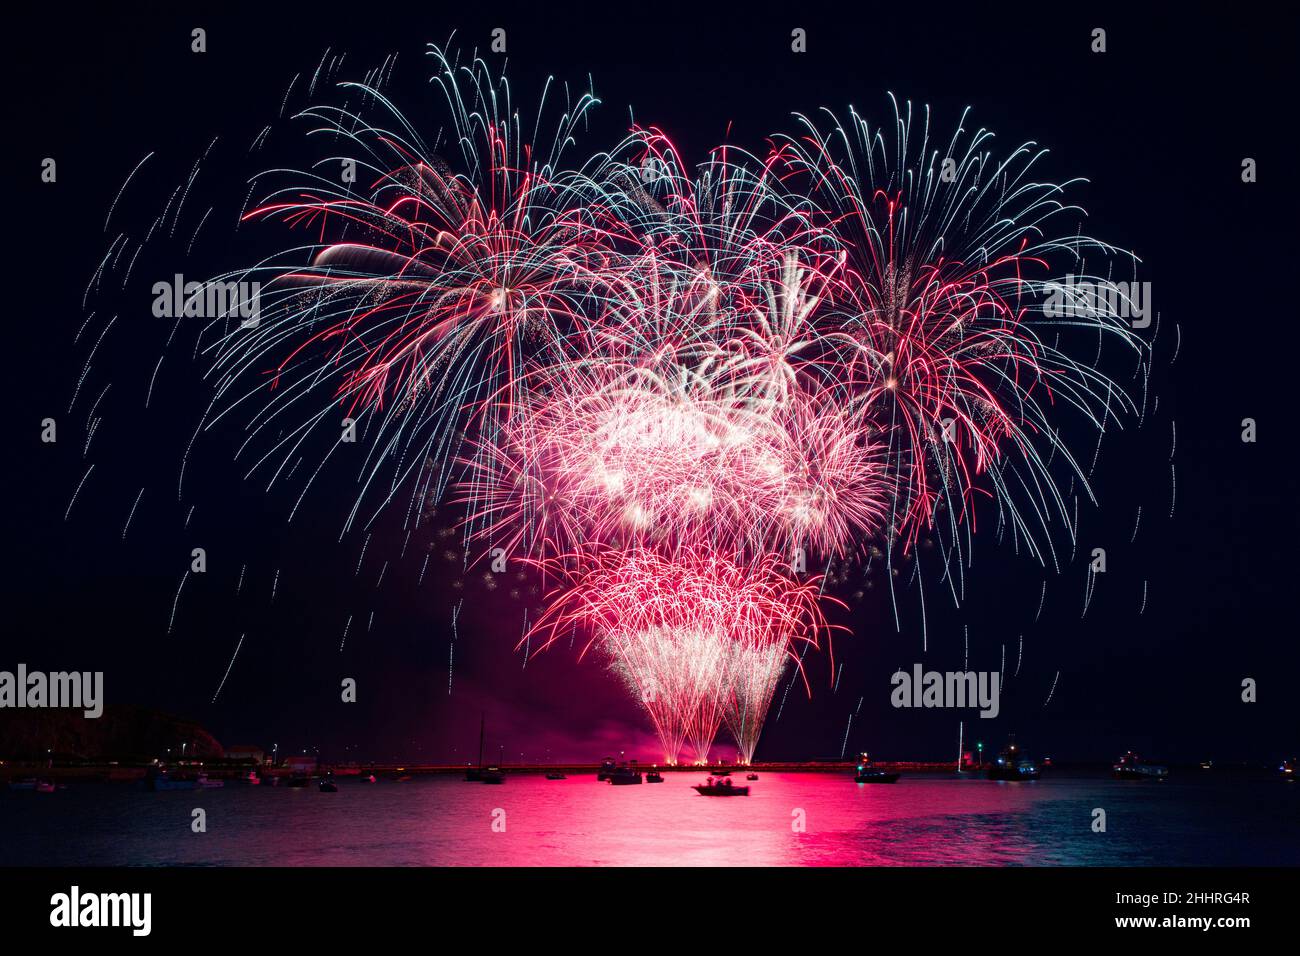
(675, 390)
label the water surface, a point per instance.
(924, 819)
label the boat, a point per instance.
(492, 775)
(866, 773)
(26, 783)
(44, 786)
(654, 776)
(1133, 767)
(1013, 764)
(625, 776)
(328, 786)
(556, 776)
(607, 766)
(1287, 769)
(719, 788)
(205, 784)
(475, 774)
(751, 776)
(368, 777)
(871, 775)
(720, 774)
(1207, 764)
(162, 780)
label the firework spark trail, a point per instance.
(1053, 690)
(131, 513)
(669, 626)
(73, 500)
(229, 667)
(177, 600)
(126, 182)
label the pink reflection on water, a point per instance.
(581, 822)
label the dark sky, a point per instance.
(1159, 125)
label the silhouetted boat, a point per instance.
(654, 776)
(751, 776)
(475, 774)
(607, 766)
(162, 780)
(1012, 764)
(556, 776)
(866, 773)
(328, 786)
(492, 775)
(721, 788)
(625, 776)
(1287, 768)
(368, 776)
(875, 776)
(1133, 767)
(44, 786)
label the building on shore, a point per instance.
(302, 763)
(246, 754)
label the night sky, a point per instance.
(1159, 125)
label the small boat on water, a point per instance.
(1133, 767)
(368, 776)
(625, 776)
(1013, 764)
(1287, 768)
(720, 774)
(205, 784)
(751, 776)
(607, 766)
(866, 773)
(45, 786)
(492, 775)
(556, 776)
(475, 774)
(654, 776)
(1207, 764)
(871, 775)
(328, 786)
(162, 780)
(714, 787)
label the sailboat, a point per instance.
(475, 774)
(494, 774)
